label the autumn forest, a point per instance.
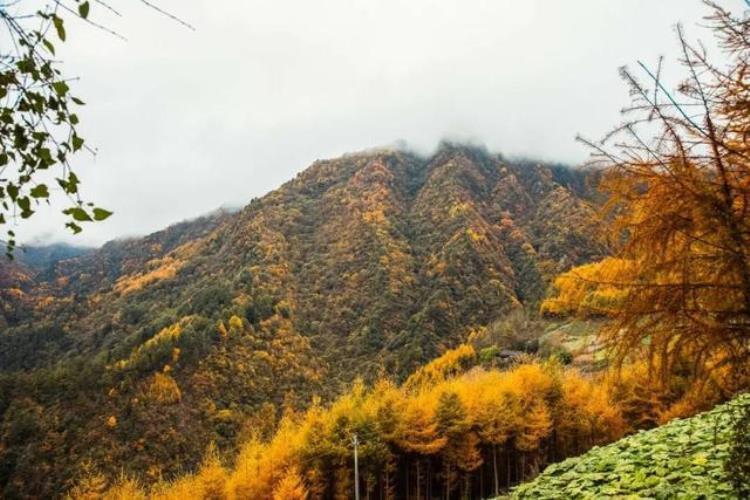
(391, 324)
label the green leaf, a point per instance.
(71, 185)
(78, 214)
(101, 214)
(46, 157)
(74, 227)
(78, 101)
(58, 22)
(25, 65)
(77, 142)
(24, 203)
(49, 46)
(61, 88)
(40, 191)
(83, 9)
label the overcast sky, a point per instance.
(187, 121)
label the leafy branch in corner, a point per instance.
(38, 119)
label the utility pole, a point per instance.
(355, 442)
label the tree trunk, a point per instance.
(448, 483)
(408, 471)
(494, 469)
(429, 477)
(481, 480)
(419, 480)
(508, 466)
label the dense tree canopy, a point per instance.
(365, 265)
(454, 429)
(679, 202)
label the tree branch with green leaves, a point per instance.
(38, 121)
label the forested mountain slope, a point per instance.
(146, 350)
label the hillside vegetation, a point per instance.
(454, 429)
(404, 326)
(459, 427)
(138, 355)
(683, 459)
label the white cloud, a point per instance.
(188, 121)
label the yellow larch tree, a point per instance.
(677, 177)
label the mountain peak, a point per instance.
(378, 260)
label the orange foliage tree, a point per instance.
(446, 435)
(679, 201)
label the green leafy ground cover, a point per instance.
(682, 459)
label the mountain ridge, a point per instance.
(368, 264)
